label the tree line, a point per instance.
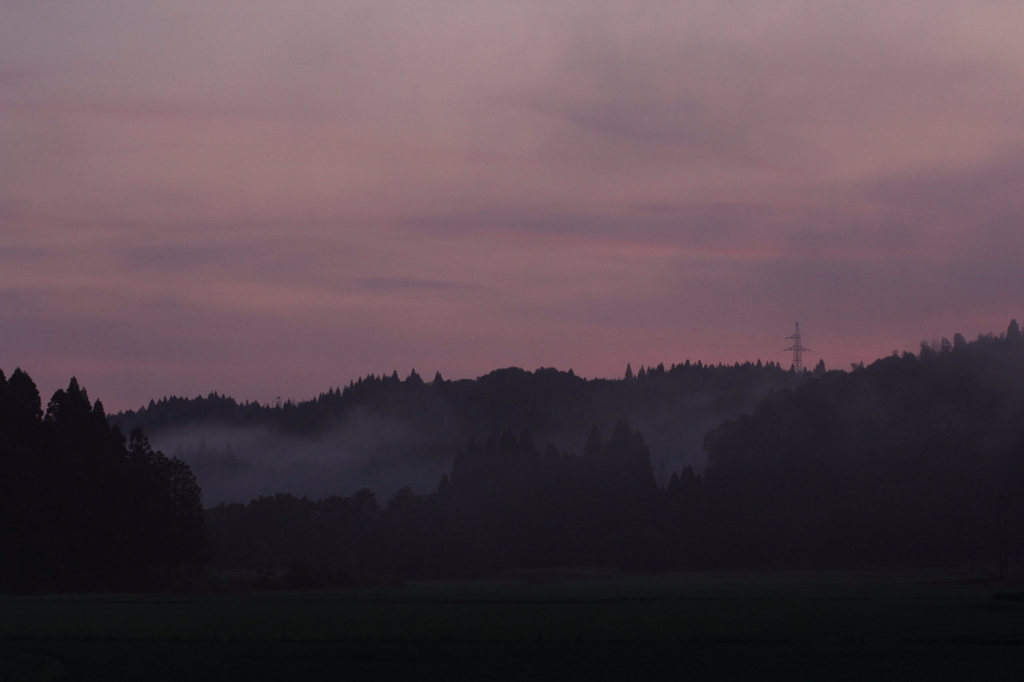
(899, 464)
(911, 461)
(83, 507)
(418, 425)
(512, 395)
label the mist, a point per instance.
(385, 434)
(367, 451)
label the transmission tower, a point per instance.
(798, 350)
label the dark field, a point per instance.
(544, 626)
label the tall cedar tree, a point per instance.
(82, 510)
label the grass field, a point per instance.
(569, 626)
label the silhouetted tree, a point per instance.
(79, 511)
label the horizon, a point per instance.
(262, 201)
(426, 377)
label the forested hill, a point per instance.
(913, 461)
(537, 399)
(915, 456)
(385, 432)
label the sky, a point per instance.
(269, 199)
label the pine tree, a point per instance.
(1013, 333)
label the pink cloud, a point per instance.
(194, 197)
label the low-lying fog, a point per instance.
(368, 451)
(238, 465)
(385, 434)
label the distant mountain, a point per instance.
(384, 432)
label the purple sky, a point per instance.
(271, 198)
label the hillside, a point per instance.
(384, 433)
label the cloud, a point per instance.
(389, 284)
(260, 199)
(12, 76)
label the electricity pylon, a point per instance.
(798, 350)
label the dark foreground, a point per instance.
(560, 626)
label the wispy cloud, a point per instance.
(262, 196)
(398, 284)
